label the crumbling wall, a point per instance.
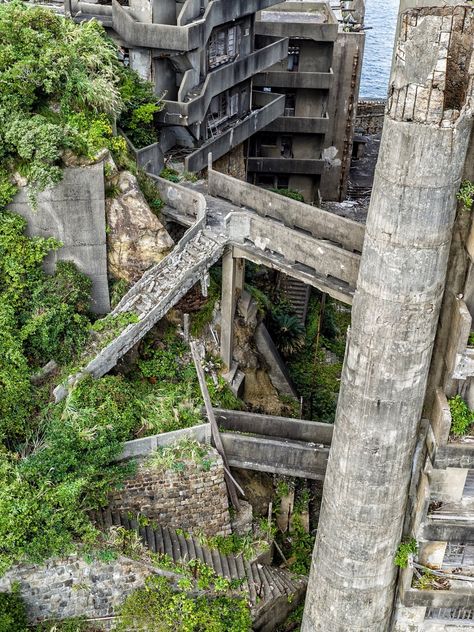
(190, 497)
(369, 117)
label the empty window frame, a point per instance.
(224, 46)
(290, 104)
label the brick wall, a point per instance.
(191, 499)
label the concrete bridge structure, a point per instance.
(244, 222)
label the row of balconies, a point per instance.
(194, 109)
(185, 37)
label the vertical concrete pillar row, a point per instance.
(233, 273)
(394, 320)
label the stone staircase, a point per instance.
(273, 592)
(159, 289)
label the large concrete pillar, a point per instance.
(233, 273)
(394, 320)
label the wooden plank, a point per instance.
(214, 427)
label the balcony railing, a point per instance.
(304, 166)
(287, 79)
(220, 80)
(267, 108)
(290, 124)
(182, 37)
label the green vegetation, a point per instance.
(12, 611)
(175, 456)
(151, 193)
(462, 417)
(466, 194)
(159, 608)
(203, 317)
(405, 549)
(66, 88)
(470, 341)
(316, 379)
(289, 193)
(170, 174)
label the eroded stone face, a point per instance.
(136, 238)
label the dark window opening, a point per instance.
(224, 46)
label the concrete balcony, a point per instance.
(287, 79)
(194, 110)
(313, 21)
(300, 125)
(286, 165)
(185, 37)
(269, 107)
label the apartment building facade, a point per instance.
(309, 148)
(201, 55)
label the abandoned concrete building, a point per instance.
(209, 59)
(277, 84)
(308, 149)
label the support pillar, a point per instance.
(233, 273)
(394, 320)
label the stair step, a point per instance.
(225, 566)
(239, 562)
(150, 538)
(207, 556)
(199, 552)
(191, 549)
(217, 565)
(234, 573)
(168, 544)
(159, 543)
(251, 582)
(183, 543)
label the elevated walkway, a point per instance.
(263, 443)
(304, 242)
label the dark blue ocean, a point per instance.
(381, 15)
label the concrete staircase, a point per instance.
(273, 592)
(297, 293)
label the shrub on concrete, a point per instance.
(462, 417)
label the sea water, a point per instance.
(381, 17)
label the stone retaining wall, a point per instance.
(71, 587)
(192, 498)
(370, 116)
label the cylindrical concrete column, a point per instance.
(394, 320)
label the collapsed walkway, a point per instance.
(301, 241)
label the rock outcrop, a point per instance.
(136, 239)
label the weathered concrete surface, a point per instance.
(136, 238)
(277, 370)
(73, 212)
(394, 319)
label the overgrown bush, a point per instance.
(79, 89)
(12, 611)
(158, 608)
(405, 549)
(289, 193)
(462, 417)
